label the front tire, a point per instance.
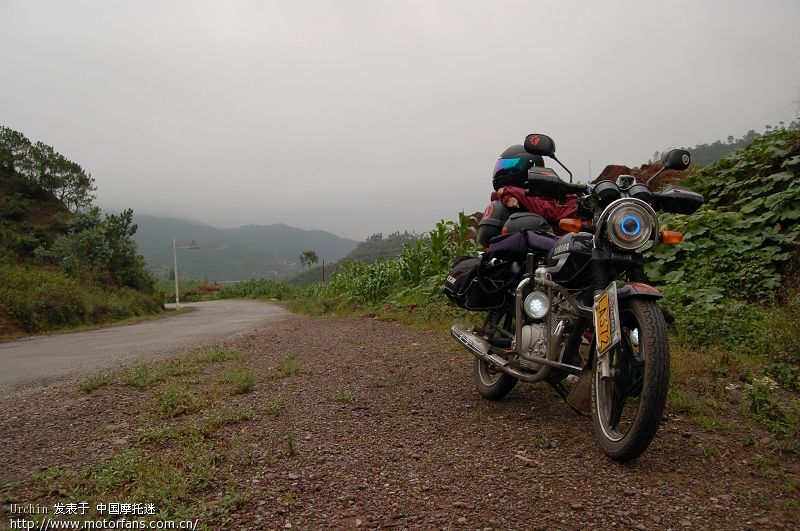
(492, 384)
(627, 408)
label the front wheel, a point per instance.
(627, 406)
(492, 383)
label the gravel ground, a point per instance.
(390, 433)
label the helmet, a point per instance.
(511, 169)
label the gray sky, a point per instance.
(364, 116)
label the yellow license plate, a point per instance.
(606, 319)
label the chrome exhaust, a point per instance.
(482, 349)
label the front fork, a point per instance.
(606, 309)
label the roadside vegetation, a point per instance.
(63, 262)
(178, 461)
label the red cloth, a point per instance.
(550, 209)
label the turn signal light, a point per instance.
(570, 225)
(670, 237)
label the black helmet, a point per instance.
(513, 165)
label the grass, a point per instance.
(274, 405)
(289, 445)
(172, 400)
(288, 366)
(239, 380)
(218, 355)
(95, 382)
(346, 395)
(177, 462)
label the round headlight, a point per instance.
(631, 225)
(537, 305)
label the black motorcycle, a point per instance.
(577, 311)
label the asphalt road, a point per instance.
(41, 358)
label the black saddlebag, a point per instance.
(479, 285)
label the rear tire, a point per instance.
(627, 408)
(492, 384)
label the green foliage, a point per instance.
(36, 300)
(736, 247)
(421, 266)
(41, 165)
(268, 289)
(705, 154)
(172, 400)
(14, 207)
(380, 246)
(288, 366)
(239, 380)
(94, 247)
(779, 339)
(308, 257)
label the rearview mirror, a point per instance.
(541, 145)
(676, 159)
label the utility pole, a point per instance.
(192, 246)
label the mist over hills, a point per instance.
(250, 251)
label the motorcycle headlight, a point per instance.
(537, 305)
(631, 225)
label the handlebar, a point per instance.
(552, 186)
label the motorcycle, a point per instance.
(577, 311)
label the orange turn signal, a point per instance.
(670, 237)
(570, 225)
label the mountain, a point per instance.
(252, 251)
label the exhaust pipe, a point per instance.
(482, 349)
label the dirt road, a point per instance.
(42, 358)
(374, 425)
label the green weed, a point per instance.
(218, 355)
(239, 380)
(274, 405)
(172, 400)
(95, 382)
(289, 445)
(288, 366)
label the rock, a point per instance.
(629, 492)
(462, 520)
(293, 476)
(577, 506)
(460, 505)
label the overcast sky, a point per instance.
(364, 116)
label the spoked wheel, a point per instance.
(627, 406)
(492, 383)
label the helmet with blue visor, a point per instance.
(511, 169)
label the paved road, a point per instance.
(38, 359)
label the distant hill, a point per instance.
(375, 247)
(705, 154)
(252, 251)
(380, 246)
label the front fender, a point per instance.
(638, 289)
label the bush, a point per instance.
(257, 289)
(779, 339)
(38, 300)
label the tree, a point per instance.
(42, 165)
(308, 257)
(100, 248)
(14, 148)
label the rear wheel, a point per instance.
(492, 383)
(627, 407)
